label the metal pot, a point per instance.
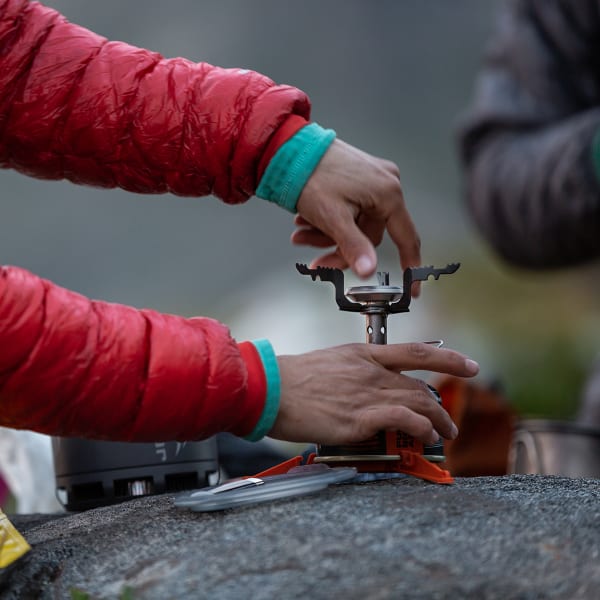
(549, 447)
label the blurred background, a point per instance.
(391, 77)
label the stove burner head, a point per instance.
(387, 451)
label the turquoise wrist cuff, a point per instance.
(596, 155)
(293, 164)
(269, 414)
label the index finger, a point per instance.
(420, 356)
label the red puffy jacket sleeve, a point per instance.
(77, 106)
(75, 367)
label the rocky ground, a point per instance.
(487, 537)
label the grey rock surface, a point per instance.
(487, 537)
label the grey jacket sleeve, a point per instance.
(526, 143)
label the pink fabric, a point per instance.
(3, 491)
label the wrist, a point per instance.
(293, 164)
(263, 378)
(285, 131)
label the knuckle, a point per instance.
(377, 238)
(393, 187)
(417, 243)
(357, 349)
(423, 390)
(417, 350)
(421, 400)
(421, 428)
(392, 168)
(364, 426)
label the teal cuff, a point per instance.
(596, 154)
(269, 414)
(293, 164)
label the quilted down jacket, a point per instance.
(76, 106)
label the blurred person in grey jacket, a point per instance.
(530, 143)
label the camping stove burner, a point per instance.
(391, 450)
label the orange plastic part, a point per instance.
(281, 468)
(410, 463)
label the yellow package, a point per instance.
(12, 543)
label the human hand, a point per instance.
(350, 200)
(348, 393)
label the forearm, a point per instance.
(534, 193)
(74, 367)
(109, 114)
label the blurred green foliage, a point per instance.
(537, 331)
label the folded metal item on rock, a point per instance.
(12, 543)
(299, 481)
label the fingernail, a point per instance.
(436, 437)
(471, 366)
(364, 266)
(453, 432)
